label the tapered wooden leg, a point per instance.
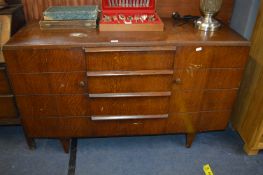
(31, 143)
(250, 151)
(65, 143)
(189, 139)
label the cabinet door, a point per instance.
(206, 81)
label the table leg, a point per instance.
(189, 139)
(65, 143)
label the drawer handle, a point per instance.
(138, 94)
(128, 117)
(178, 81)
(129, 73)
(129, 49)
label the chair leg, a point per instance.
(65, 143)
(189, 139)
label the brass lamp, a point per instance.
(209, 8)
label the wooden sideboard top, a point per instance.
(174, 35)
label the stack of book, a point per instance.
(69, 17)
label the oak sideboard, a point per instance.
(86, 83)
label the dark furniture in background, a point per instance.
(8, 111)
(12, 19)
(178, 81)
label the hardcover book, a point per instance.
(71, 13)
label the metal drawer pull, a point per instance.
(129, 49)
(128, 117)
(129, 73)
(138, 94)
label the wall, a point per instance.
(35, 8)
(244, 16)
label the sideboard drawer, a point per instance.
(148, 60)
(7, 108)
(122, 84)
(49, 83)
(211, 57)
(129, 106)
(45, 60)
(4, 84)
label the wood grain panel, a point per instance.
(25, 61)
(84, 127)
(68, 83)
(61, 60)
(202, 100)
(53, 105)
(30, 84)
(197, 121)
(73, 105)
(186, 101)
(194, 58)
(130, 106)
(130, 61)
(218, 100)
(208, 78)
(230, 57)
(182, 123)
(37, 106)
(209, 121)
(155, 83)
(35, 8)
(224, 78)
(41, 60)
(7, 108)
(49, 83)
(4, 84)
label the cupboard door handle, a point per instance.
(178, 81)
(82, 84)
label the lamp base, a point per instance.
(207, 24)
